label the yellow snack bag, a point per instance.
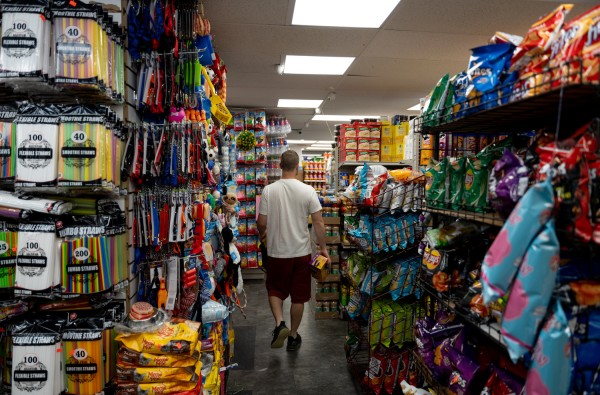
(158, 374)
(126, 357)
(154, 388)
(175, 337)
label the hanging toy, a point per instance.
(246, 141)
(230, 199)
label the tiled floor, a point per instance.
(319, 367)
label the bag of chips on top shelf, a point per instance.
(540, 37)
(435, 189)
(486, 66)
(460, 105)
(437, 99)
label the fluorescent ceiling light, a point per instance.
(343, 13)
(416, 107)
(311, 148)
(323, 65)
(321, 145)
(293, 103)
(342, 118)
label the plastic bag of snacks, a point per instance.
(550, 369)
(175, 337)
(503, 259)
(437, 98)
(477, 171)
(126, 357)
(486, 66)
(507, 183)
(530, 293)
(456, 170)
(435, 189)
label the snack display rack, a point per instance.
(380, 320)
(560, 105)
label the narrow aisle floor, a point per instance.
(318, 367)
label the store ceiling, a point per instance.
(394, 67)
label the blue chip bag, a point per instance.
(531, 292)
(504, 257)
(550, 370)
(486, 66)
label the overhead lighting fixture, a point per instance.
(311, 148)
(343, 13)
(321, 65)
(302, 142)
(416, 107)
(297, 103)
(342, 118)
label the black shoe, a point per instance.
(294, 344)
(279, 335)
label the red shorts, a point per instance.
(289, 277)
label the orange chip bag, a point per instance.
(127, 357)
(540, 37)
(578, 39)
(157, 374)
(175, 337)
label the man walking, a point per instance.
(283, 220)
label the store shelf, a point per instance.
(332, 278)
(579, 104)
(488, 329)
(403, 163)
(332, 239)
(319, 180)
(325, 296)
(335, 259)
(485, 218)
(327, 315)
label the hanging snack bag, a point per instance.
(154, 374)
(75, 40)
(507, 183)
(8, 142)
(477, 171)
(374, 375)
(391, 373)
(550, 369)
(36, 256)
(486, 66)
(35, 367)
(83, 356)
(435, 189)
(24, 37)
(503, 259)
(437, 99)
(456, 170)
(37, 143)
(540, 37)
(129, 358)
(82, 146)
(376, 323)
(530, 293)
(387, 325)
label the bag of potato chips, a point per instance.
(175, 337)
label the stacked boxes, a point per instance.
(360, 142)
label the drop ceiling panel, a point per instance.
(267, 12)
(470, 17)
(285, 83)
(423, 45)
(256, 40)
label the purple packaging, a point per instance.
(464, 372)
(531, 292)
(503, 259)
(550, 370)
(508, 183)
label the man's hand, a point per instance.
(323, 251)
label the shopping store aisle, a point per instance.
(318, 367)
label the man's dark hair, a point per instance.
(289, 161)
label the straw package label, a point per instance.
(22, 39)
(34, 363)
(35, 257)
(83, 356)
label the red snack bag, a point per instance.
(539, 37)
(581, 40)
(375, 373)
(391, 373)
(404, 364)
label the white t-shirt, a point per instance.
(287, 204)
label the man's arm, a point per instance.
(262, 227)
(319, 227)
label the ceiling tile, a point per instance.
(265, 12)
(423, 45)
(257, 40)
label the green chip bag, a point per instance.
(477, 172)
(376, 323)
(400, 322)
(456, 170)
(435, 188)
(436, 101)
(387, 324)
